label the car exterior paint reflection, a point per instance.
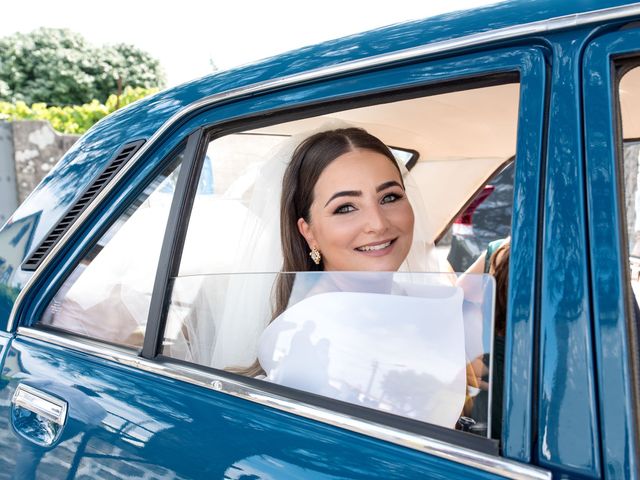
(124, 427)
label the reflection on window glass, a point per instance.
(629, 103)
(107, 296)
(415, 345)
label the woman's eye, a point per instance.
(344, 209)
(391, 197)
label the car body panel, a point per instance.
(529, 62)
(613, 339)
(125, 422)
(567, 402)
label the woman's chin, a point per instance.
(370, 261)
(383, 261)
(378, 264)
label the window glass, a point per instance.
(403, 343)
(221, 210)
(446, 148)
(107, 296)
(629, 103)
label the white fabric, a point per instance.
(399, 354)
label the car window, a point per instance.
(107, 296)
(222, 299)
(397, 342)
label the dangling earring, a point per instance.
(315, 255)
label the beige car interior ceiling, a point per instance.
(462, 138)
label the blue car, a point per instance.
(136, 281)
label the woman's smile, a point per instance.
(379, 248)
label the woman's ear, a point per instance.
(305, 230)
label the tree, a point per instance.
(57, 66)
(123, 66)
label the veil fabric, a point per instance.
(233, 305)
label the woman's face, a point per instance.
(360, 218)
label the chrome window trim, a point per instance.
(477, 39)
(176, 371)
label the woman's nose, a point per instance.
(377, 221)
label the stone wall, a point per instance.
(8, 187)
(28, 151)
(37, 148)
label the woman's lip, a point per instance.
(379, 248)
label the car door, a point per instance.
(106, 399)
(611, 93)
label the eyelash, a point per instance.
(394, 197)
(348, 208)
(342, 209)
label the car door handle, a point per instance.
(37, 416)
(40, 403)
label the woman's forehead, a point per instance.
(358, 167)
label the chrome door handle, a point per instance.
(50, 408)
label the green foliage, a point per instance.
(72, 119)
(59, 67)
(132, 66)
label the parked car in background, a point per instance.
(124, 335)
(486, 218)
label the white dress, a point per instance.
(396, 353)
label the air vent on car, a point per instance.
(118, 161)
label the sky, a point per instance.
(190, 36)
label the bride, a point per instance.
(337, 331)
(354, 315)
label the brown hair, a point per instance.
(311, 157)
(500, 269)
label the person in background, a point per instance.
(494, 261)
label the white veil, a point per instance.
(222, 330)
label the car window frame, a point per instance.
(214, 130)
(529, 64)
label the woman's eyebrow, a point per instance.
(346, 193)
(390, 183)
